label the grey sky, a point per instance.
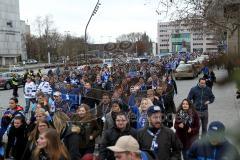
(114, 17)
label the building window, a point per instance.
(197, 34)
(163, 30)
(164, 50)
(163, 45)
(9, 24)
(209, 49)
(197, 44)
(197, 39)
(211, 39)
(165, 40)
(163, 25)
(211, 44)
(197, 49)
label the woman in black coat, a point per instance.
(50, 147)
(89, 129)
(40, 127)
(69, 134)
(16, 138)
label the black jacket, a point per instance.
(88, 129)
(44, 156)
(30, 146)
(110, 138)
(16, 142)
(71, 140)
(169, 146)
(167, 103)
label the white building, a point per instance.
(11, 27)
(174, 38)
(154, 49)
(25, 30)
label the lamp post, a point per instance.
(66, 45)
(85, 37)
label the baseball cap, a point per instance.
(57, 93)
(153, 109)
(125, 144)
(216, 127)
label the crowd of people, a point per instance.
(102, 113)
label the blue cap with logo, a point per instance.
(153, 109)
(216, 127)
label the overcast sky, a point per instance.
(114, 17)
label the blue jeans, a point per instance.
(28, 103)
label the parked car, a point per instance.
(200, 59)
(197, 65)
(185, 71)
(6, 77)
(206, 57)
(31, 61)
(50, 66)
(15, 68)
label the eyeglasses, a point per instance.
(122, 120)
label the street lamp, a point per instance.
(85, 37)
(66, 45)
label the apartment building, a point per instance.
(175, 38)
(12, 30)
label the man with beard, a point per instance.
(201, 95)
(159, 139)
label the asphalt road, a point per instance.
(225, 108)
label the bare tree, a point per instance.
(215, 15)
(38, 26)
(131, 37)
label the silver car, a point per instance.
(185, 71)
